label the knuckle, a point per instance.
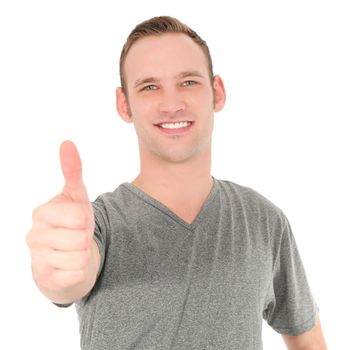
(42, 273)
(40, 214)
(80, 218)
(83, 240)
(31, 238)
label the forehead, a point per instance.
(163, 56)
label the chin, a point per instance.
(179, 157)
(181, 153)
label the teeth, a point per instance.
(175, 125)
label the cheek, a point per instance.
(141, 107)
(204, 100)
(203, 107)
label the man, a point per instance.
(175, 259)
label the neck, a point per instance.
(175, 183)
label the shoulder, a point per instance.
(250, 201)
(121, 195)
(247, 196)
(111, 203)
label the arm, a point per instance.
(311, 340)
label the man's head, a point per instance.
(169, 91)
(157, 26)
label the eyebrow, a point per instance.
(186, 74)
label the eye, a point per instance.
(189, 83)
(149, 88)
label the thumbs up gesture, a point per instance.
(65, 258)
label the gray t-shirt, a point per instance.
(167, 284)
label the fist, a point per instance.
(61, 234)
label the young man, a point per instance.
(176, 259)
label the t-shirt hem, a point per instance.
(298, 330)
(102, 256)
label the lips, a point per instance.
(177, 127)
(174, 125)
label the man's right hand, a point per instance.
(64, 255)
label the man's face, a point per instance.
(170, 97)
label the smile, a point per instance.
(177, 125)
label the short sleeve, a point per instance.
(100, 233)
(289, 308)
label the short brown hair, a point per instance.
(158, 26)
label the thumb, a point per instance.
(74, 187)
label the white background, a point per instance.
(284, 131)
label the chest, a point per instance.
(213, 257)
(163, 280)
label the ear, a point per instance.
(123, 106)
(219, 93)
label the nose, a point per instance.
(171, 102)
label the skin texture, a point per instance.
(174, 169)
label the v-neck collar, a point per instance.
(164, 209)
